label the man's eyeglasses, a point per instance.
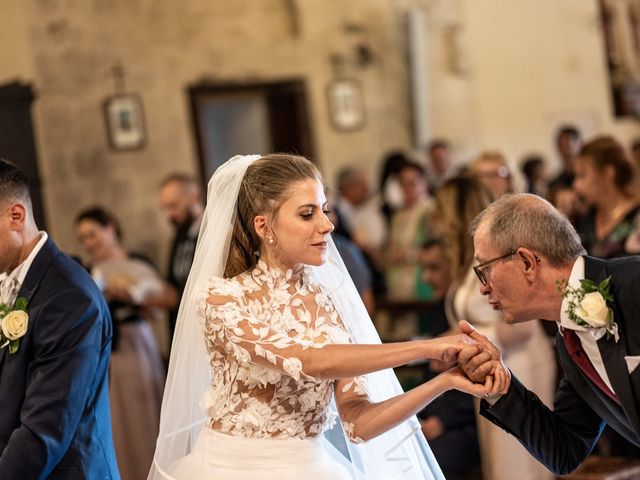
(481, 269)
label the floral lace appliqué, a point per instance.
(250, 321)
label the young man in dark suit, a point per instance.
(528, 255)
(55, 421)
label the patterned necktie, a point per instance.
(5, 290)
(580, 357)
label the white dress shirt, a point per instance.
(11, 282)
(588, 337)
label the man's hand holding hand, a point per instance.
(484, 365)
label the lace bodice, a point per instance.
(253, 325)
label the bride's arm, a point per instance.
(230, 329)
(364, 420)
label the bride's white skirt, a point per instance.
(219, 456)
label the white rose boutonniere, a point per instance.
(589, 305)
(14, 321)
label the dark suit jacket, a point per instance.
(54, 405)
(186, 242)
(562, 439)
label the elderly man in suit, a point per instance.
(55, 341)
(531, 266)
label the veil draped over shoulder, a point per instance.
(400, 453)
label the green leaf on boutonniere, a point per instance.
(21, 303)
(13, 346)
(588, 286)
(603, 287)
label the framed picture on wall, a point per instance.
(125, 122)
(346, 104)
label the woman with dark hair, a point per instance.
(388, 185)
(534, 171)
(606, 179)
(136, 371)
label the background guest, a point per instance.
(448, 422)
(388, 184)
(409, 228)
(136, 371)
(568, 142)
(492, 169)
(358, 219)
(439, 163)
(534, 170)
(606, 181)
(181, 202)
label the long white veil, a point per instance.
(401, 453)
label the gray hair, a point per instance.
(526, 220)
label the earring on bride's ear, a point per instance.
(270, 239)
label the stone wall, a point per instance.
(165, 46)
(500, 74)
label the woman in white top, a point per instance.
(263, 348)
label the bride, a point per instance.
(273, 345)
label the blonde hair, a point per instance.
(496, 159)
(264, 188)
(489, 156)
(459, 200)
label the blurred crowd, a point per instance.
(416, 259)
(404, 238)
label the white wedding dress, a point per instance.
(239, 403)
(266, 416)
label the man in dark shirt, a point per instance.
(181, 202)
(560, 192)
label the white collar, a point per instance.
(18, 274)
(577, 274)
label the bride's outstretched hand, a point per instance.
(446, 349)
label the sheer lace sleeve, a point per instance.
(236, 326)
(350, 393)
